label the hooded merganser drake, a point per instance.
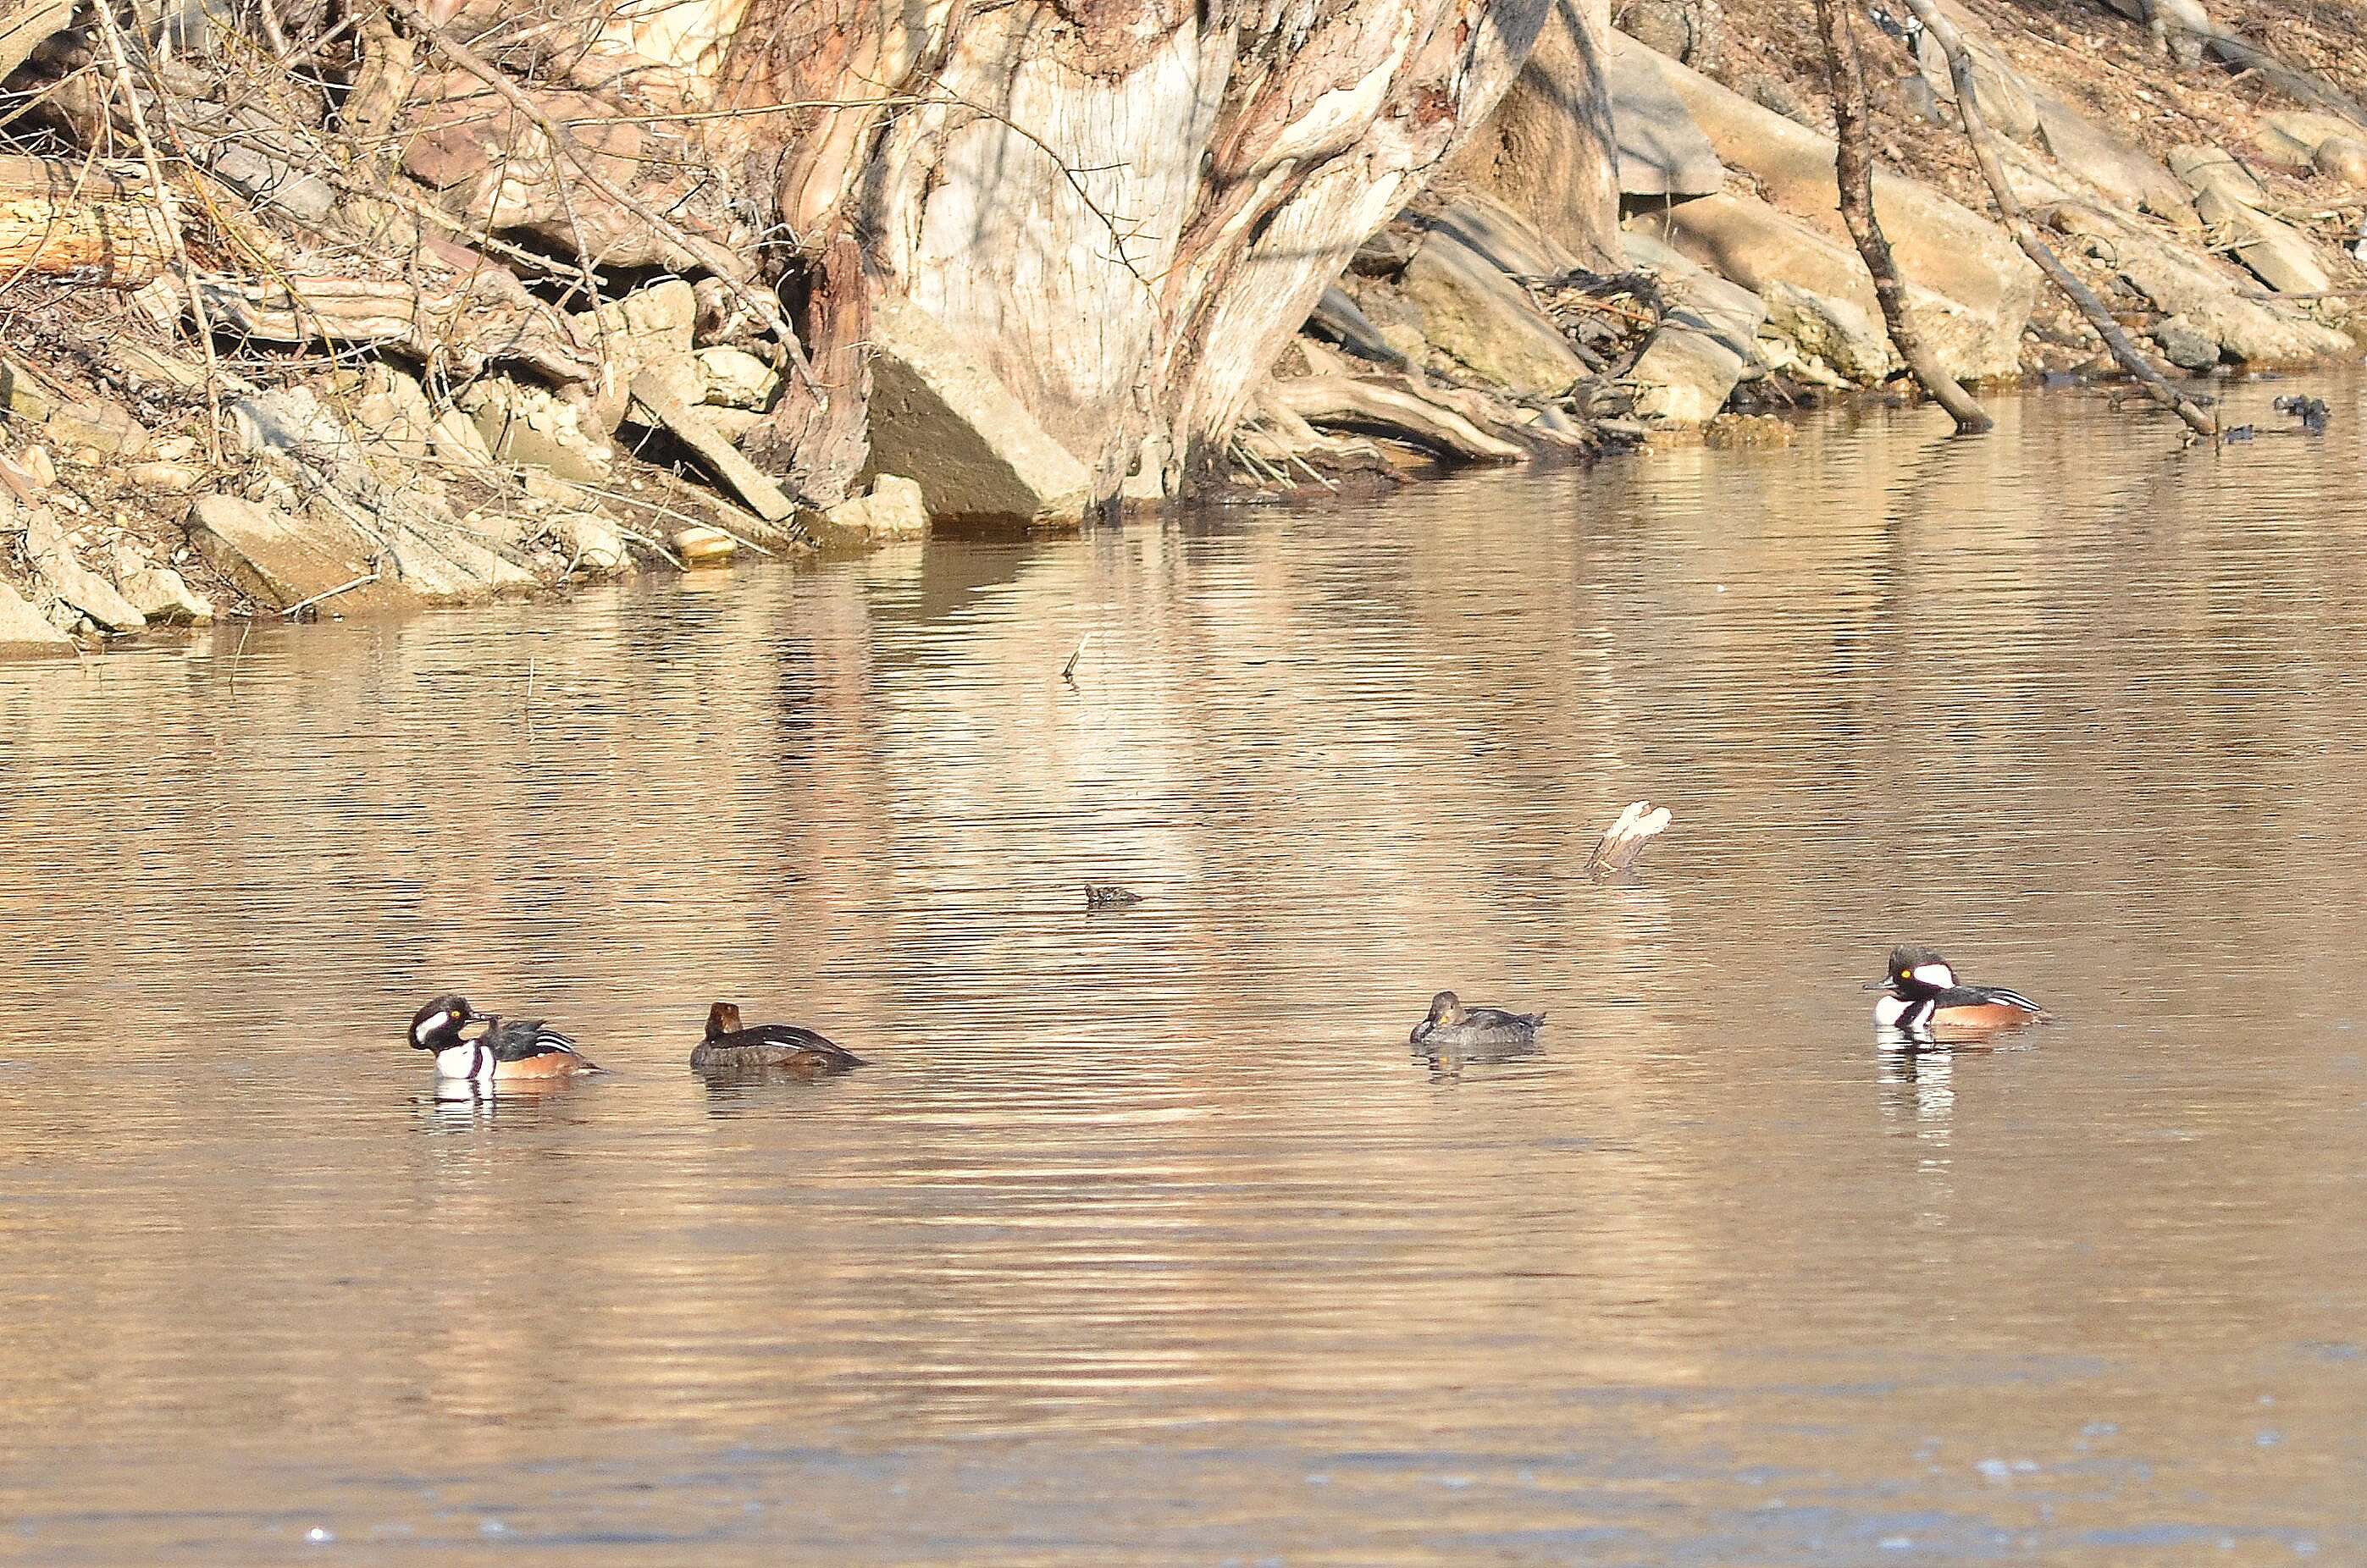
(1452, 1023)
(507, 1050)
(1921, 994)
(731, 1048)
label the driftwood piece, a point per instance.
(58, 218)
(466, 324)
(721, 458)
(821, 432)
(1854, 172)
(1394, 411)
(2025, 233)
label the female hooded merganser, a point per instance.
(1920, 994)
(731, 1048)
(1452, 1023)
(507, 1050)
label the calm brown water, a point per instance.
(1147, 1239)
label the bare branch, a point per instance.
(1854, 170)
(2025, 234)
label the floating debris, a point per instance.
(1109, 895)
(1620, 843)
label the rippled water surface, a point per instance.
(1146, 1239)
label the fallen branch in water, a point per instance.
(1854, 170)
(301, 605)
(2017, 222)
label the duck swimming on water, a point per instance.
(1921, 997)
(731, 1048)
(508, 1050)
(1452, 1023)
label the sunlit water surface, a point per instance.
(1146, 1239)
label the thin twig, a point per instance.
(170, 210)
(301, 605)
(1068, 671)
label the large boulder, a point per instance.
(2118, 169)
(940, 418)
(1974, 285)
(526, 425)
(26, 633)
(1661, 151)
(61, 574)
(1473, 311)
(1689, 370)
(157, 591)
(648, 330)
(2006, 101)
(1818, 293)
(280, 559)
(2227, 196)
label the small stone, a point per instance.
(894, 507)
(2343, 159)
(174, 449)
(173, 479)
(2185, 345)
(592, 543)
(23, 394)
(736, 379)
(702, 546)
(95, 425)
(39, 464)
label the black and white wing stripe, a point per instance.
(519, 1040)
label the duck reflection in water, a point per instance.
(457, 1105)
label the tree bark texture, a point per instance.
(1548, 151)
(1853, 173)
(1127, 207)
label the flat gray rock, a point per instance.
(1472, 310)
(1661, 150)
(942, 419)
(2119, 169)
(26, 633)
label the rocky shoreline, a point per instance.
(445, 434)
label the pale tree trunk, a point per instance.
(1548, 151)
(1123, 212)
